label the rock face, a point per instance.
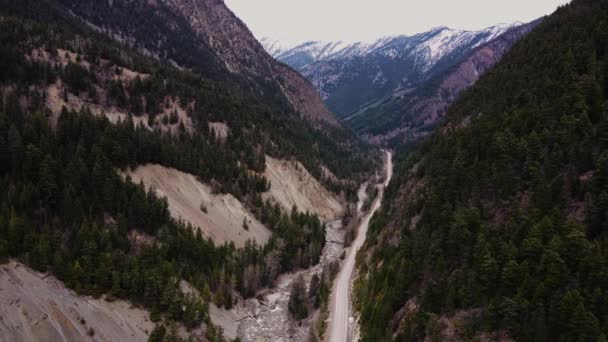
(37, 307)
(351, 74)
(407, 115)
(236, 46)
(204, 35)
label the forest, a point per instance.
(65, 209)
(501, 214)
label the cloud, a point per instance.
(299, 20)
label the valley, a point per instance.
(396, 90)
(169, 173)
(138, 174)
(36, 302)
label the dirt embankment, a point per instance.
(292, 184)
(38, 307)
(189, 199)
(220, 129)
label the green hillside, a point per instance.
(497, 226)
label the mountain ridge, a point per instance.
(406, 116)
(350, 74)
(323, 50)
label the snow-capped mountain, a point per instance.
(408, 115)
(350, 74)
(302, 54)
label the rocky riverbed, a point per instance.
(266, 317)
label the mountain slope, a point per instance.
(80, 107)
(206, 36)
(348, 75)
(408, 115)
(496, 228)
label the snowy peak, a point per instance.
(445, 41)
(273, 46)
(350, 74)
(408, 116)
(435, 43)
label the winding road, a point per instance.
(340, 310)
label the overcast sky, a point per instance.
(301, 20)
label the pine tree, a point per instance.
(297, 299)
(31, 162)
(16, 232)
(15, 148)
(4, 154)
(48, 183)
(313, 291)
(574, 319)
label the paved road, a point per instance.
(339, 329)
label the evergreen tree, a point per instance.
(297, 299)
(48, 183)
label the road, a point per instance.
(340, 310)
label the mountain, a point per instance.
(351, 74)
(141, 155)
(408, 115)
(495, 229)
(299, 56)
(203, 35)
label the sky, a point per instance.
(293, 21)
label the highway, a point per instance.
(340, 309)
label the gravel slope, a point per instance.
(37, 307)
(223, 221)
(292, 184)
